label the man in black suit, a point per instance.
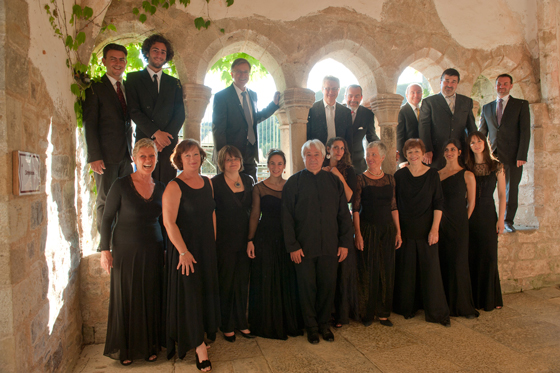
(443, 116)
(407, 127)
(507, 124)
(363, 125)
(327, 118)
(235, 117)
(156, 104)
(107, 126)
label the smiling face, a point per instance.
(158, 56)
(503, 86)
(451, 152)
(115, 62)
(145, 160)
(353, 97)
(240, 75)
(414, 155)
(374, 159)
(414, 95)
(330, 91)
(191, 159)
(232, 163)
(313, 159)
(477, 145)
(276, 165)
(449, 85)
(337, 150)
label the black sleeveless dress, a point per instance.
(454, 246)
(483, 242)
(193, 302)
(273, 298)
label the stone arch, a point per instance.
(523, 87)
(430, 62)
(356, 58)
(247, 41)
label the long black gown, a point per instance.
(234, 266)
(454, 246)
(418, 281)
(483, 242)
(375, 200)
(134, 326)
(193, 302)
(274, 310)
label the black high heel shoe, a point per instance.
(230, 338)
(203, 364)
(247, 335)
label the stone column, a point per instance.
(196, 98)
(295, 104)
(386, 107)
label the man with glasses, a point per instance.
(327, 118)
(235, 117)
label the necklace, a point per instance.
(374, 175)
(236, 183)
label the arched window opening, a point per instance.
(409, 76)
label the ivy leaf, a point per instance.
(185, 2)
(229, 3)
(146, 6)
(199, 23)
(155, 2)
(77, 10)
(171, 2)
(47, 8)
(69, 41)
(222, 31)
(152, 10)
(142, 18)
(207, 24)
(75, 89)
(135, 11)
(81, 38)
(88, 12)
(165, 6)
(112, 27)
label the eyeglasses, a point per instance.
(329, 89)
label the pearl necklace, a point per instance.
(374, 175)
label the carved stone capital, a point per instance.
(296, 103)
(196, 98)
(386, 107)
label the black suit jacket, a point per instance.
(317, 123)
(510, 141)
(437, 124)
(152, 112)
(107, 130)
(364, 125)
(407, 128)
(229, 126)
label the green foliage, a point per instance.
(200, 23)
(223, 67)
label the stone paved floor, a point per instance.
(524, 336)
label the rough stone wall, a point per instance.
(40, 327)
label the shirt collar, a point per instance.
(505, 99)
(325, 104)
(238, 90)
(114, 81)
(152, 72)
(414, 107)
(452, 97)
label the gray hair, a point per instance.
(316, 143)
(379, 145)
(412, 85)
(144, 143)
(332, 79)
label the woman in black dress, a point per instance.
(273, 306)
(346, 302)
(459, 187)
(193, 304)
(233, 195)
(134, 325)
(484, 224)
(418, 283)
(378, 235)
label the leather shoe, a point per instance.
(367, 322)
(508, 227)
(230, 338)
(327, 335)
(312, 337)
(446, 323)
(247, 335)
(386, 322)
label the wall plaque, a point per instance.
(26, 173)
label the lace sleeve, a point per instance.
(499, 168)
(357, 196)
(255, 211)
(394, 199)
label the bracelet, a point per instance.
(181, 254)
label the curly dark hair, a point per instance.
(182, 147)
(157, 38)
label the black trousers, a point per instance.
(317, 285)
(164, 171)
(103, 183)
(513, 178)
(233, 274)
(251, 170)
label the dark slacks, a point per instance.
(164, 171)
(251, 170)
(513, 178)
(103, 183)
(233, 274)
(317, 285)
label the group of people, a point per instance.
(189, 255)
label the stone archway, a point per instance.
(428, 61)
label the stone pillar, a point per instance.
(386, 107)
(196, 98)
(295, 104)
(284, 127)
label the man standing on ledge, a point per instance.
(235, 117)
(443, 116)
(318, 232)
(407, 127)
(363, 125)
(327, 118)
(507, 124)
(107, 126)
(156, 104)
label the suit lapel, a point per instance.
(508, 109)
(321, 114)
(164, 90)
(236, 102)
(338, 114)
(411, 114)
(149, 84)
(113, 93)
(442, 102)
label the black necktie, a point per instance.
(156, 87)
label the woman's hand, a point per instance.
(359, 242)
(398, 240)
(500, 226)
(296, 256)
(186, 263)
(106, 261)
(336, 172)
(433, 237)
(250, 250)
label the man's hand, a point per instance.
(296, 256)
(158, 146)
(163, 138)
(428, 158)
(99, 166)
(276, 98)
(342, 254)
(521, 163)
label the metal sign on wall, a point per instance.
(26, 173)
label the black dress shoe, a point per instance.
(327, 335)
(312, 337)
(446, 323)
(470, 317)
(247, 335)
(409, 316)
(367, 322)
(230, 338)
(386, 322)
(508, 226)
(203, 364)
